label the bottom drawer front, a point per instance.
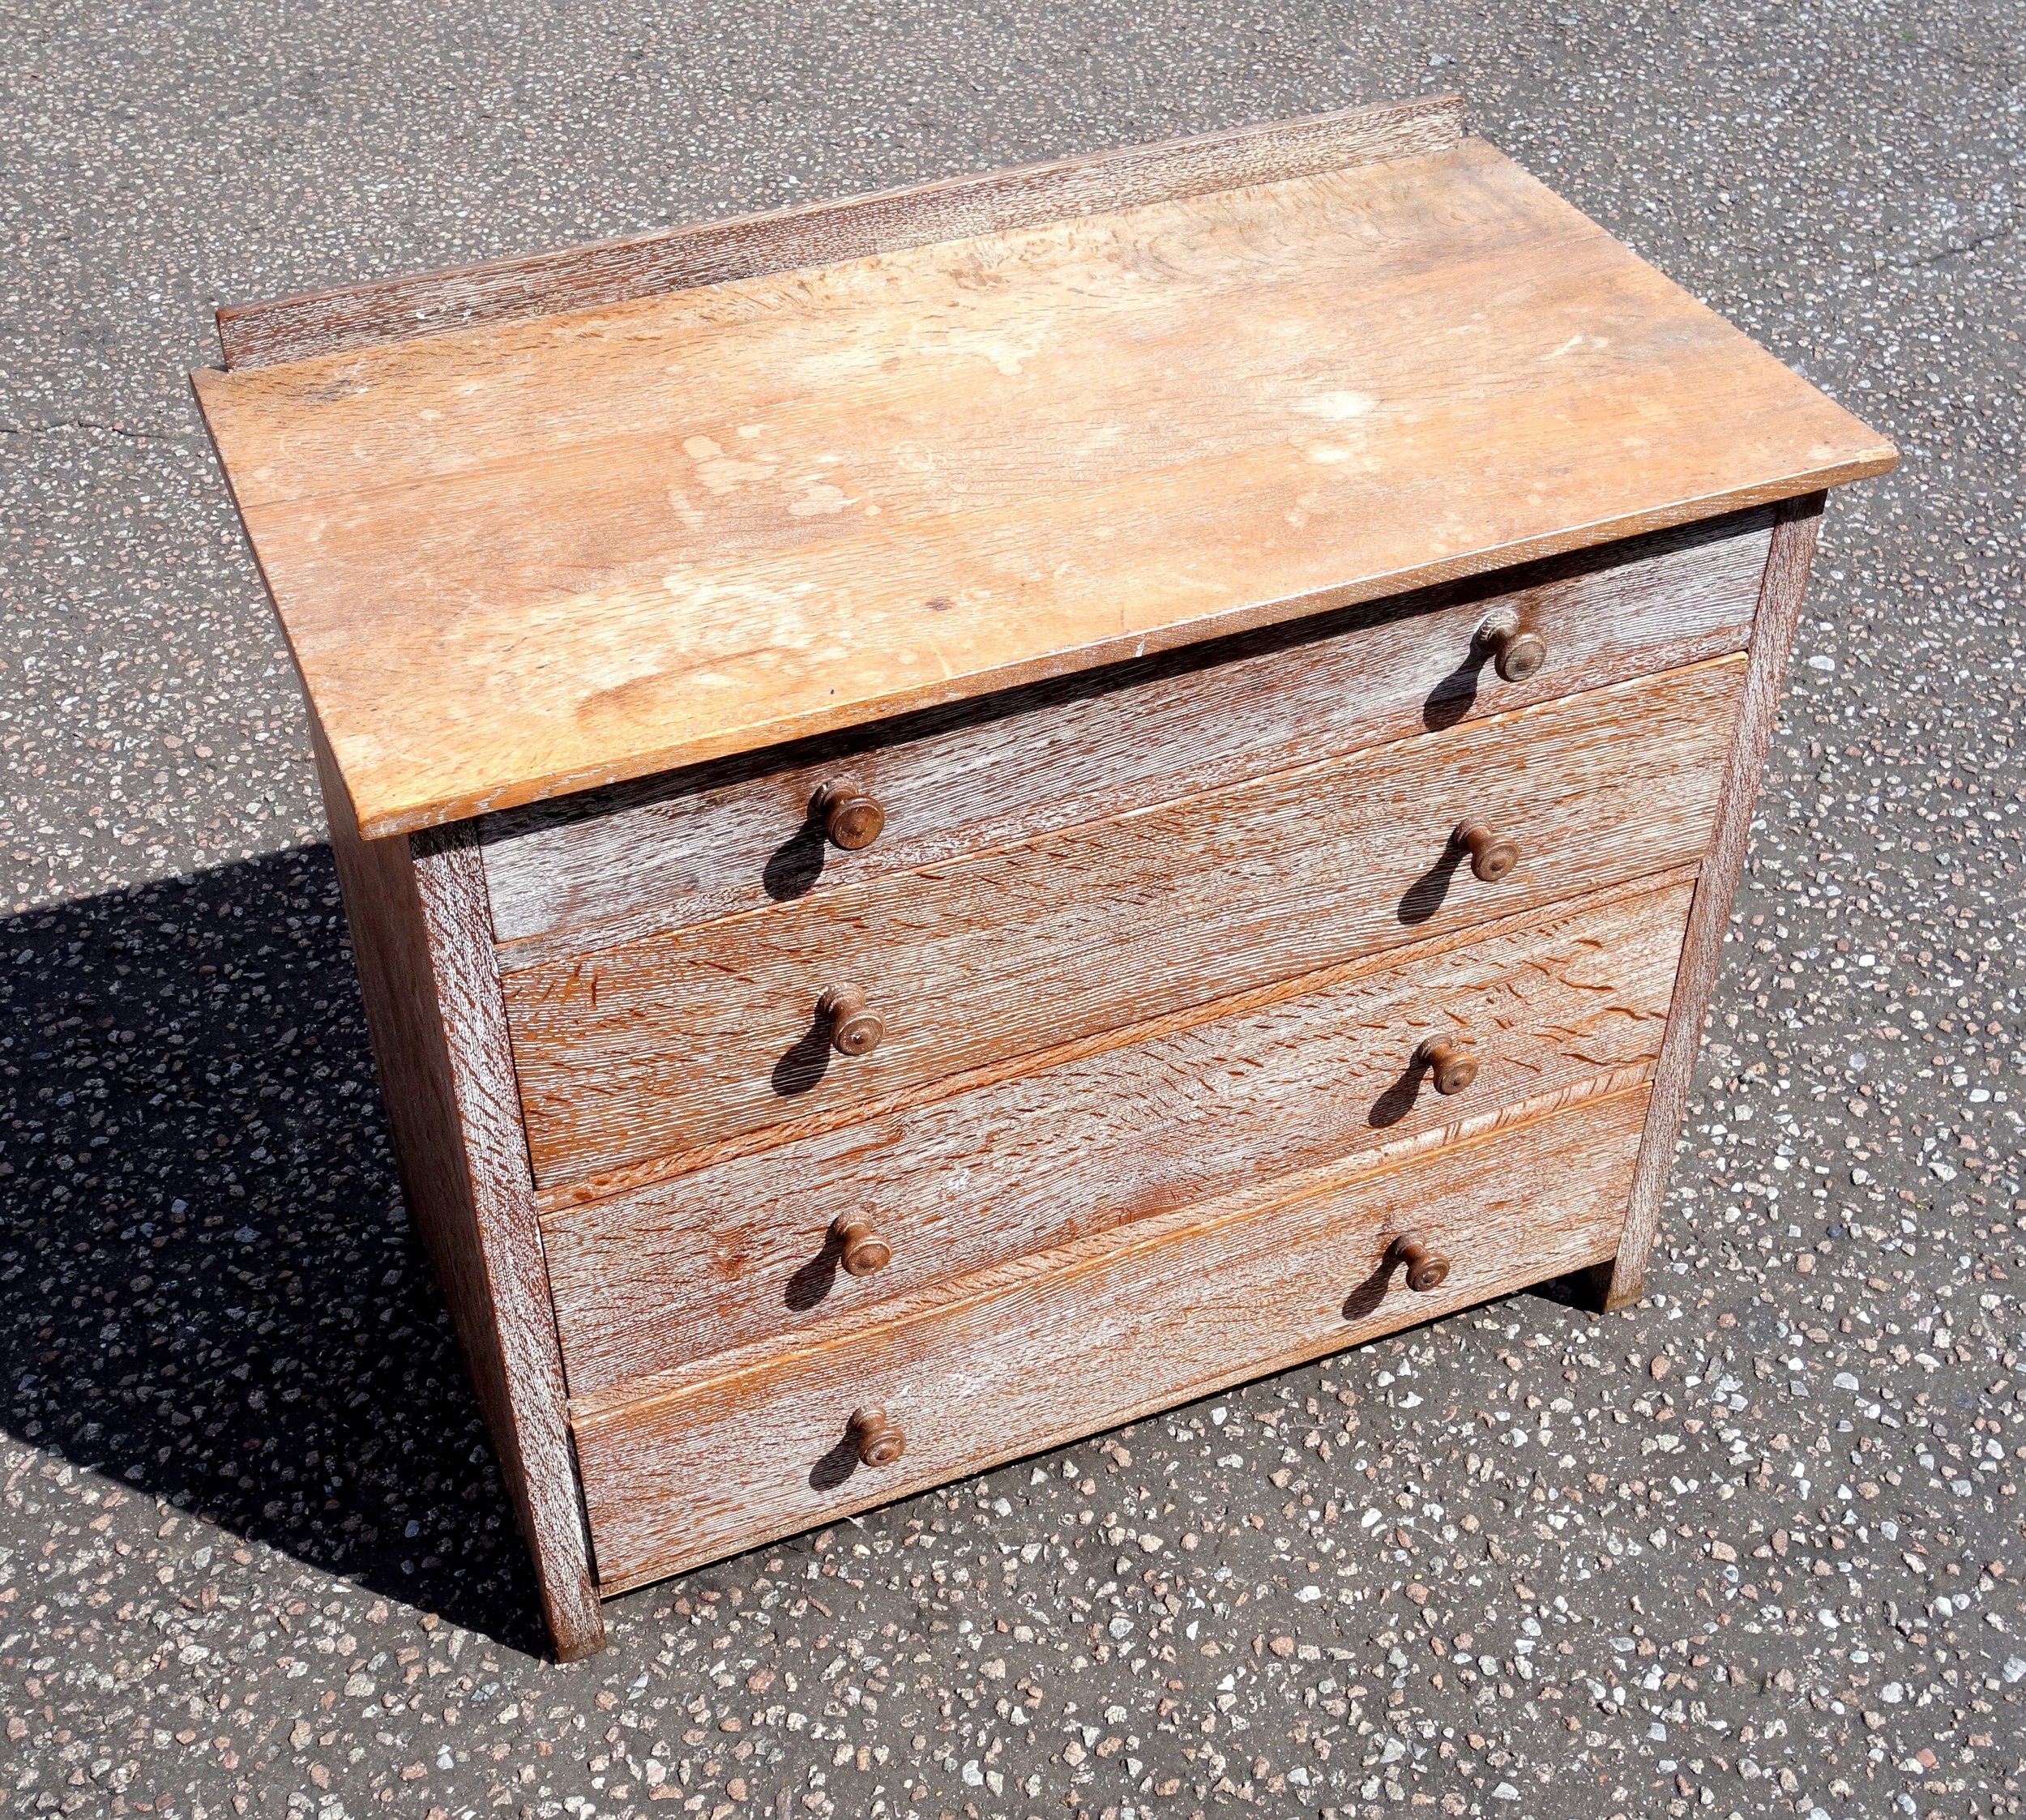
(1067, 1342)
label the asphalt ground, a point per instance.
(1753, 1546)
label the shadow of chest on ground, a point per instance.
(209, 1290)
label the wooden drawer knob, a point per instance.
(852, 819)
(1451, 1066)
(1426, 1270)
(1492, 855)
(1516, 653)
(864, 1250)
(854, 1029)
(878, 1441)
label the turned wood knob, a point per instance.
(864, 1250)
(1492, 855)
(851, 818)
(1451, 1066)
(1516, 653)
(1426, 1270)
(878, 1441)
(854, 1029)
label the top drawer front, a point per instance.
(687, 1039)
(738, 835)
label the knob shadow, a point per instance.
(1428, 893)
(836, 1466)
(1366, 1298)
(1454, 697)
(813, 1280)
(804, 1064)
(1398, 1100)
(793, 867)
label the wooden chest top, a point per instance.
(534, 555)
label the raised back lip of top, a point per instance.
(350, 318)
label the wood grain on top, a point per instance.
(530, 557)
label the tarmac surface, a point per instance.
(1752, 1547)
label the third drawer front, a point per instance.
(1070, 1342)
(779, 1242)
(683, 1041)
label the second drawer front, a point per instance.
(629, 1053)
(746, 1250)
(1075, 1341)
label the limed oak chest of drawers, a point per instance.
(971, 812)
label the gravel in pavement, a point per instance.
(1753, 1546)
